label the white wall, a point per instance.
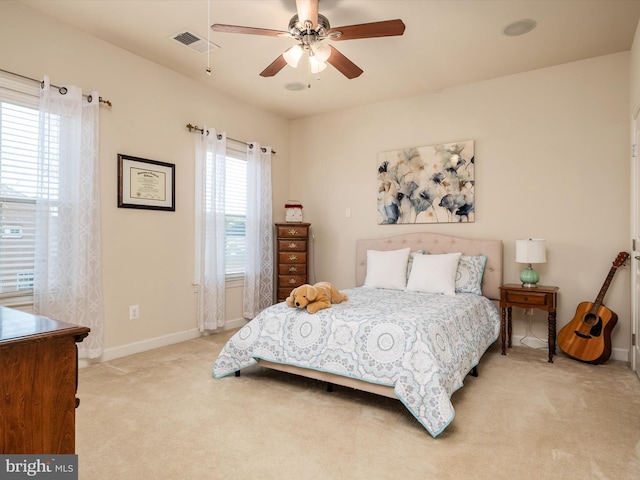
(635, 72)
(552, 161)
(147, 255)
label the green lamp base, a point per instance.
(529, 277)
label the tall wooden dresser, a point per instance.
(292, 257)
(38, 381)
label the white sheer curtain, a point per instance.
(210, 224)
(258, 275)
(68, 276)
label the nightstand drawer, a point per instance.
(527, 298)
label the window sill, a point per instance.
(234, 282)
(17, 301)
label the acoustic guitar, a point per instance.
(588, 336)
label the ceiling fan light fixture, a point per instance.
(316, 65)
(292, 55)
(310, 33)
(297, 27)
(322, 52)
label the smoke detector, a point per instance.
(194, 41)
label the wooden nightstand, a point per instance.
(541, 297)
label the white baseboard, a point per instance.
(620, 354)
(616, 353)
(155, 342)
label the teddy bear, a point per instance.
(315, 297)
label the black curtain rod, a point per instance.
(202, 131)
(41, 82)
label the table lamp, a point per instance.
(530, 251)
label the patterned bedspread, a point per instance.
(421, 344)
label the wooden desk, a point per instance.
(38, 382)
(541, 297)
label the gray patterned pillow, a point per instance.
(410, 262)
(469, 274)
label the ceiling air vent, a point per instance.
(194, 42)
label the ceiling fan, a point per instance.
(310, 29)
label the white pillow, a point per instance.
(434, 273)
(387, 269)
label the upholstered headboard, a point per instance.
(435, 243)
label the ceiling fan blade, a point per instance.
(277, 65)
(307, 10)
(220, 27)
(343, 64)
(386, 28)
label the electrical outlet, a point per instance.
(134, 312)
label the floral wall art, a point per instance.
(432, 184)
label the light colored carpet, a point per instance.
(160, 415)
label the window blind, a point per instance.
(19, 119)
(235, 213)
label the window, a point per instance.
(19, 120)
(235, 212)
(233, 173)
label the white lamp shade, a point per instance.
(292, 55)
(532, 250)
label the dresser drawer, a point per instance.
(293, 231)
(291, 281)
(292, 257)
(292, 245)
(283, 293)
(292, 269)
(527, 298)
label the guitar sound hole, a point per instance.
(590, 319)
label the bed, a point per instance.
(413, 338)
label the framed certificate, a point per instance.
(146, 184)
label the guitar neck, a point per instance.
(603, 291)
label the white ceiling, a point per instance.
(446, 43)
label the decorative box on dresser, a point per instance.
(38, 383)
(292, 257)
